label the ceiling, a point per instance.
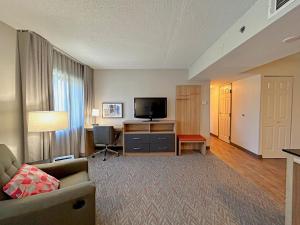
(266, 46)
(127, 33)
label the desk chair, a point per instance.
(104, 135)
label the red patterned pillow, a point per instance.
(29, 180)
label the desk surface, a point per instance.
(119, 128)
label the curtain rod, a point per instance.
(66, 54)
(56, 48)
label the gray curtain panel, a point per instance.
(35, 67)
(88, 75)
(68, 92)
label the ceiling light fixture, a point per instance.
(291, 39)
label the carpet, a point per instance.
(188, 190)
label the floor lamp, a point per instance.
(47, 121)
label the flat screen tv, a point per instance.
(150, 108)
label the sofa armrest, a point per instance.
(70, 205)
(64, 168)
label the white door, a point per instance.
(225, 112)
(276, 115)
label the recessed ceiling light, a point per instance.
(291, 39)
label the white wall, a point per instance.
(245, 121)
(214, 109)
(10, 97)
(124, 85)
(205, 110)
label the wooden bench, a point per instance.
(191, 139)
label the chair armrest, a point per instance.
(64, 168)
(56, 207)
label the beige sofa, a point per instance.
(73, 203)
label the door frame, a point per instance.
(230, 124)
(261, 111)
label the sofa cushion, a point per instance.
(8, 168)
(74, 179)
(29, 180)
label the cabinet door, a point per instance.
(276, 115)
(194, 110)
(188, 109)
(182, 105)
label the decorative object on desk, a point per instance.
(47, 121)
(95, 114)
(112, 110)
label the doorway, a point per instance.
(225, 112)
(276, 114)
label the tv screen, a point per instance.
(151, 108)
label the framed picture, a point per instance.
(112, 110)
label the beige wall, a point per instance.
(214, 109)
(124, 85)
(205, 110)
(245, 120)
(10, 98)
(289, 66)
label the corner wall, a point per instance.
(245, 120)
(214, 109)
(10, 93)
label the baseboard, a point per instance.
(214, 135)
(246, 150)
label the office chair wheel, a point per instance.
(104, 159)
(93, 156)
(118, 154)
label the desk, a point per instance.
(89, 139)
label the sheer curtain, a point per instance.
(68, 93)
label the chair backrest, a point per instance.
(9, 166)
(103, 135)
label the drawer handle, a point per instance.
(162, 138)
(136, 148)
(136, 138)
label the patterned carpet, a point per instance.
(191, 189)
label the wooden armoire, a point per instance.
(188, 109)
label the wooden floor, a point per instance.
(268, 174)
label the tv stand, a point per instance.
(149, 136)
(151, 120)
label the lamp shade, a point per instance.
(95, 112)
(43, 121)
